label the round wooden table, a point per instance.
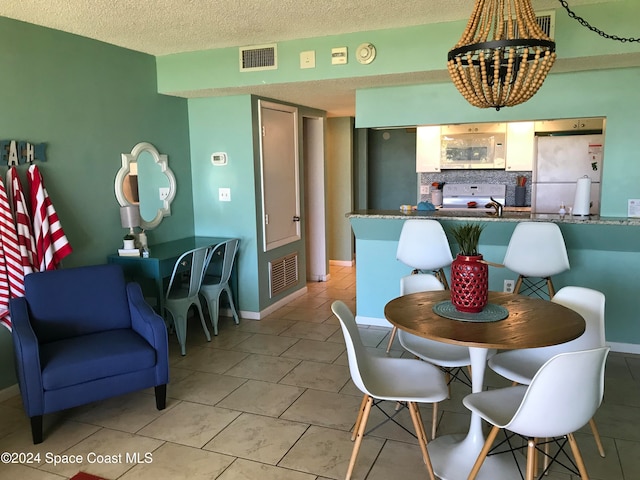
(532, 322)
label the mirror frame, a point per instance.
(161, 160)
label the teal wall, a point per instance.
(225, 124)
(89, 102)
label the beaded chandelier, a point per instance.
(503, 56)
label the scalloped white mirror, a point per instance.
(145, 179)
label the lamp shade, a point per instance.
(130, 216)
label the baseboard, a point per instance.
(9, 392)
(272, 308)
(624, 347)
(372, 321)
(342, 263)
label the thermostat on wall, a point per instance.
(219, 159)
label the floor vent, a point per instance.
(283, 273)
(262, 57)
(546, 21)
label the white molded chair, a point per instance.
(520, 366)
(445, 355)
(563, 395)
(536, 251)
(423, 246)
(182, 295)
(213, 285)
(387, 378)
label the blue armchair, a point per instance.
(82, 335)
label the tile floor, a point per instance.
(273, 400)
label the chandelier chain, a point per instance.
(584, 23)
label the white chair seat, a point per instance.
(438, 353)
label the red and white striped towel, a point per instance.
(11, 273)
(22, 217)
(51, 243)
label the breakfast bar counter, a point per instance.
(604, 254)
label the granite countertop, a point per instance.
(508, 216)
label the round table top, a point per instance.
(532, 322)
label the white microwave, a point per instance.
(468, 147)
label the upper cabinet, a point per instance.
(428, 149)
(568, 125)
(520, 146)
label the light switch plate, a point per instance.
(308, 59)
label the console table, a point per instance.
(162, 258)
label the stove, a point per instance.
(455, 196)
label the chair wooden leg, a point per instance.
(447, 380)
(434, 420)
(36, 429)
(518, 285)
(443, 278)
(391, 337)
(578, 457)
(550, 288)
(596, 436)
(360, 434)
(359, 419)
(531, 459)
(422, 437)
(483, 453)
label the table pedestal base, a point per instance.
(453, 457)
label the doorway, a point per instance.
(314, 199)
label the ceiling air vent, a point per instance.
(260, 57)
(546, 21)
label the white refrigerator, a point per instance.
(560, 162)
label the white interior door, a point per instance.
(280, 174)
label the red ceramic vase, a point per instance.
(469, 283)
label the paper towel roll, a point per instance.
(582, 200)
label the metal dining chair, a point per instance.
(214, 285)
(388, 378)
(182, 293)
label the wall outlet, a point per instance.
(224, 194)
(509, 285)
(163, 192)
(425, 189)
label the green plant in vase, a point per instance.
(469, 272)
(467, 236)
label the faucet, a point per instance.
(496, 205)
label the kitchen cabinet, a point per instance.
(474, 128)
(520, 146)
(570, 125)
(428, 149)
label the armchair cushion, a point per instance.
(99, 355)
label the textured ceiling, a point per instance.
(160, 27)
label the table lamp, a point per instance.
(130, 218)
